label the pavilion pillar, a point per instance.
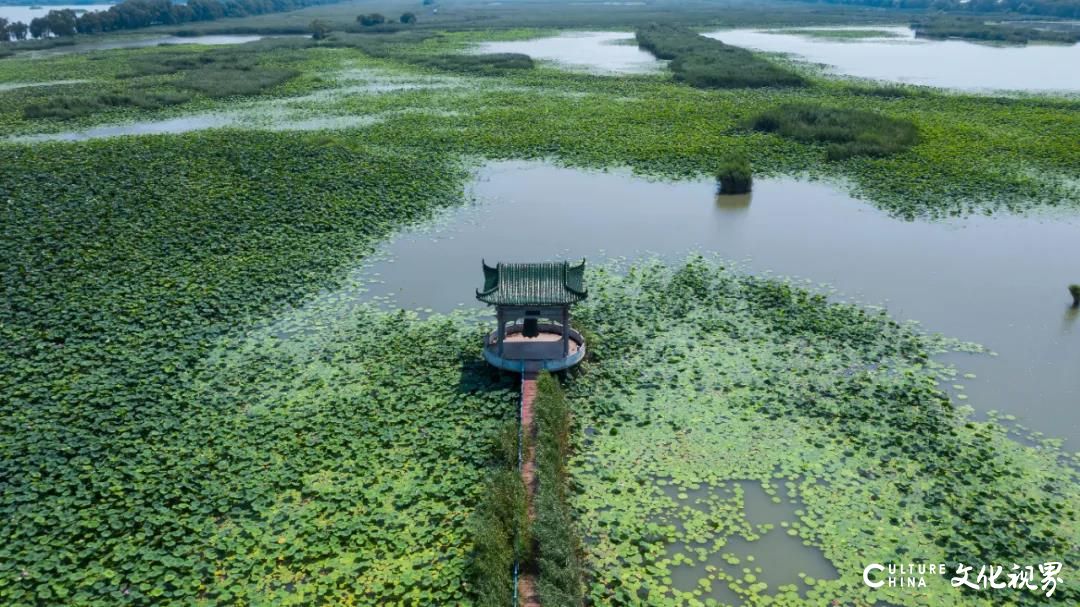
(502, 330)
(565, 331)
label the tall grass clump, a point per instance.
(559, 581)
(706, 63)
(484, 64)
(500, 526)
(734, 175)
(847, 132)
(215, 81)
(64, 107)
(1074, 290)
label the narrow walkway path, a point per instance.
(527, 581)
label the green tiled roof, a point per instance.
(549, 283)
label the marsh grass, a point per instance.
(216, 81)
(558, 547)
(499, 532)
(500, 525)
(64, 107)
(847, 132)
(734, 175)
(490, 64)
(941, 27)
(706, 63)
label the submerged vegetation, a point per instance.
(706, 63)
(846, 132)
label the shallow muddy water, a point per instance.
(953, 64)
(591, 51)
(999, 281)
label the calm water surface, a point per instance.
(951, 64)
(592, 51)
(999, 281)
(112, 42)
(26, 14)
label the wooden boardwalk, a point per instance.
(527, 592)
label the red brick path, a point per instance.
(527, 593)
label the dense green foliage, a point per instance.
(228, 82)
(1074, 290)
(215, 72)
(847, 132)
(64, 107)
(979, 29)
(734, 175)
(558, 557)
(138, 464)
(723, 380)
(500, 533)
(487, 64)
(371, 19)
(707, 63)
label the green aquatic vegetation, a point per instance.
(975, 153)
(841, 34)
(968, 28)
(735, 176)
(847, 132)
(336, 464)
(484, 64)
(706, 63)
(1074, 290)
(229, 82)
(723, 378)
(558, 550)
(64, 107)
(500, 536)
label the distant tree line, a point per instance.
(971, 28)
(133, 14)
(1067, 9)
(378, 19)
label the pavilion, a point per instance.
(532, 308)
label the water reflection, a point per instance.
(593, 51)
(733, 203)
